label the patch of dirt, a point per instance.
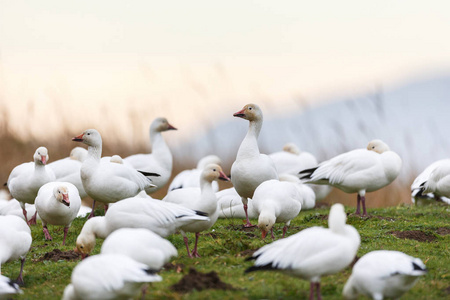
(241, 227)
(200, 281)
(447, 290)
(443, 231)
(57, 254)
(417, 235)
(380, 218)
(172, 266)
(246, 253)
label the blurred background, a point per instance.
(329, 75)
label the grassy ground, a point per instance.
(225, 247)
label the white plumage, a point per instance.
(57, 203)
(8, 287)
(435, 179)
(313, 252)
(383, 274)
(108, 276)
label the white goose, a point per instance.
(108, 276)
(251, 168)
(276, 202)
(26, 179)
(191, 178)
(202, 199)
(68, 169)
(8, 287)
(291, 159)
(308, 197)
(313, 252)
(107, 182)
(358, 171)
(230, 205)
(434, 181)
(15, 241)
(159, 160)
(140, 244)
(160, 217)
(57, 203)
(383, 273)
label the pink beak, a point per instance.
(78, 138)
(223, 176)
(240, 113)
(66, 200)
(43, 159)
(263, 234)
(170, 127)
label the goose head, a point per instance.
(291, 148)
(250, 112)
(116, 159)
(213, 172)
(41, 156)
(90, 137)
(61, 194)
(377, 146)
(265, 223)
(78, 153)
(160, 125)
(85, 244)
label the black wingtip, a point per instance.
(5, 184)
(267, 267)
(416, 267)
(151, 271)
(149, 174)
(308, 173)
(201, 213)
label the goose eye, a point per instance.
(373, 147)
(214, 170)
(250, 108)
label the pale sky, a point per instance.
(101, 63)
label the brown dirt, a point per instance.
(246, 253)
(447, 291)
(443, 231)
(173, 266)
(200, 281)
(57, 254)
(241, 227)
(414, 235)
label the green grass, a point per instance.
(222, 249)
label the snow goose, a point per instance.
(434, 181)
(57, 203)
(68, 169)
(291, 159)
(107, 182)
(383, 273)
(251, 167)
(15, 241)
(191, 178)
(140, 244)
(358, 171)
(308, 197)
(26, 179)
(162, 218)
(8, 287)
(276, 202)
(108, 276)
(313, 252)
(202, 199)
(159, 160)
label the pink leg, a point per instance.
(248, 224)
(319, 295)
(106, 208)
(187, 246)
(25, 214)
(144, 291)
(271, 233)
(19, 279)
(66, 229)
(33, 219)
(92, 214)
(311, 291)
(195, 252)
(363, 200)
(358, 204)
(284, 230)
(47, 235)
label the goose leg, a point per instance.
(186, 242)
(92, 214)
(245, 202)
(19, 279)
(358, 204)
(284, 230)
(32, 221)
(311, 291)
(66, 229)
(271, 233)
(363, 200)
(25, 214)
(106, 208)
(47, 235)
(319, 295)
(195, 252)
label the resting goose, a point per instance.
(358, 171)
(57, 203)
(15, 241)
(26, 179)
(159, 160)
(68, 169)
(383, 273)
(108, 182)
(201, 199)
(251, 168)
(108, 276)
(191, 178)
(140, 244)
(313, 252)
(276, 202)
(162, 218)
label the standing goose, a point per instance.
(358, 171)
(251, 168)
(57, 203)
(15, 241)
(26, 179)
(383, 273)
(108, 276)
(276, 202)
(202, 199)
(107, 182)
(160, 217)
(313, 252)
(159, 160)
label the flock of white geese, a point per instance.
(270, 188)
